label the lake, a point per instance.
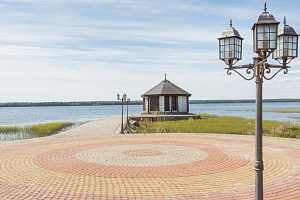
(33, 115)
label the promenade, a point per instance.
(93, 161)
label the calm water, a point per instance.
(33, 115)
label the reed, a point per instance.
(47, 129)
(228, 125)
(38, 130)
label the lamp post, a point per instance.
(267, 40)
(122, 99)
(128, 100)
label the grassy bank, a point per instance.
(228, 125)
(37, 130)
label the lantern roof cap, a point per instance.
(266, 18)
(230, 32)
(286, 29)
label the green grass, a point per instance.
(39, 130)
(228, 125)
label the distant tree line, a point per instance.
(77, 103)
(103, 103)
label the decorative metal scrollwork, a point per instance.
(249, 70)
(260, 70)
(269, 70)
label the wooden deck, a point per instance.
(163, 117)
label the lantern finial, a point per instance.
(265, 8)
(230, 23)
(284, 20)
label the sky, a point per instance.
(91, 50)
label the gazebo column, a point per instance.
(171, 103)
(148, 99)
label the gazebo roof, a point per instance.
(166, 88)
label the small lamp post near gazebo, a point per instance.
(128, 100)
(122, 99)
(267, 40)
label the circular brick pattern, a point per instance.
(202, 168)
(111, 163)
(142, 152)
(165, 155)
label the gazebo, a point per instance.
(166, 97)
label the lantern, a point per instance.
(230, 46)
(265, 33)
(287, 43)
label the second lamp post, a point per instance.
(122, 99)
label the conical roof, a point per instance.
(265, 18)
(166, 88)
(230, 32)
(286, 29)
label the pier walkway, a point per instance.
(92, 161)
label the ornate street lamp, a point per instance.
(267, 39)
(128, 100)
(122, 99)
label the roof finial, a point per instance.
(284, 20)
(165, 77)
(230, 23)
(265, 8)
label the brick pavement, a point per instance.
(100, 165)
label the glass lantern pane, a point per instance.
(290, 53)
(266, 36)
(294, 46)
(281, 53)
(260, 36)
(222, 55)
(226, 41)
(281, 46)
(294, 53)
(222, 48)
(240, 42)
(290, 45)
(272, 44)
(281, 39)
(227, 55)
(286, 38)
(295, 39)
(266, 44)
(272, 36)
(231, 47)
(273, 28)
(285, 52)
(231, 54)
(227, 48)
(286, 45)
(231, 41)
(260, 28)
(222, 41)
(260, 44)
(290, 39)
(267, 28)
